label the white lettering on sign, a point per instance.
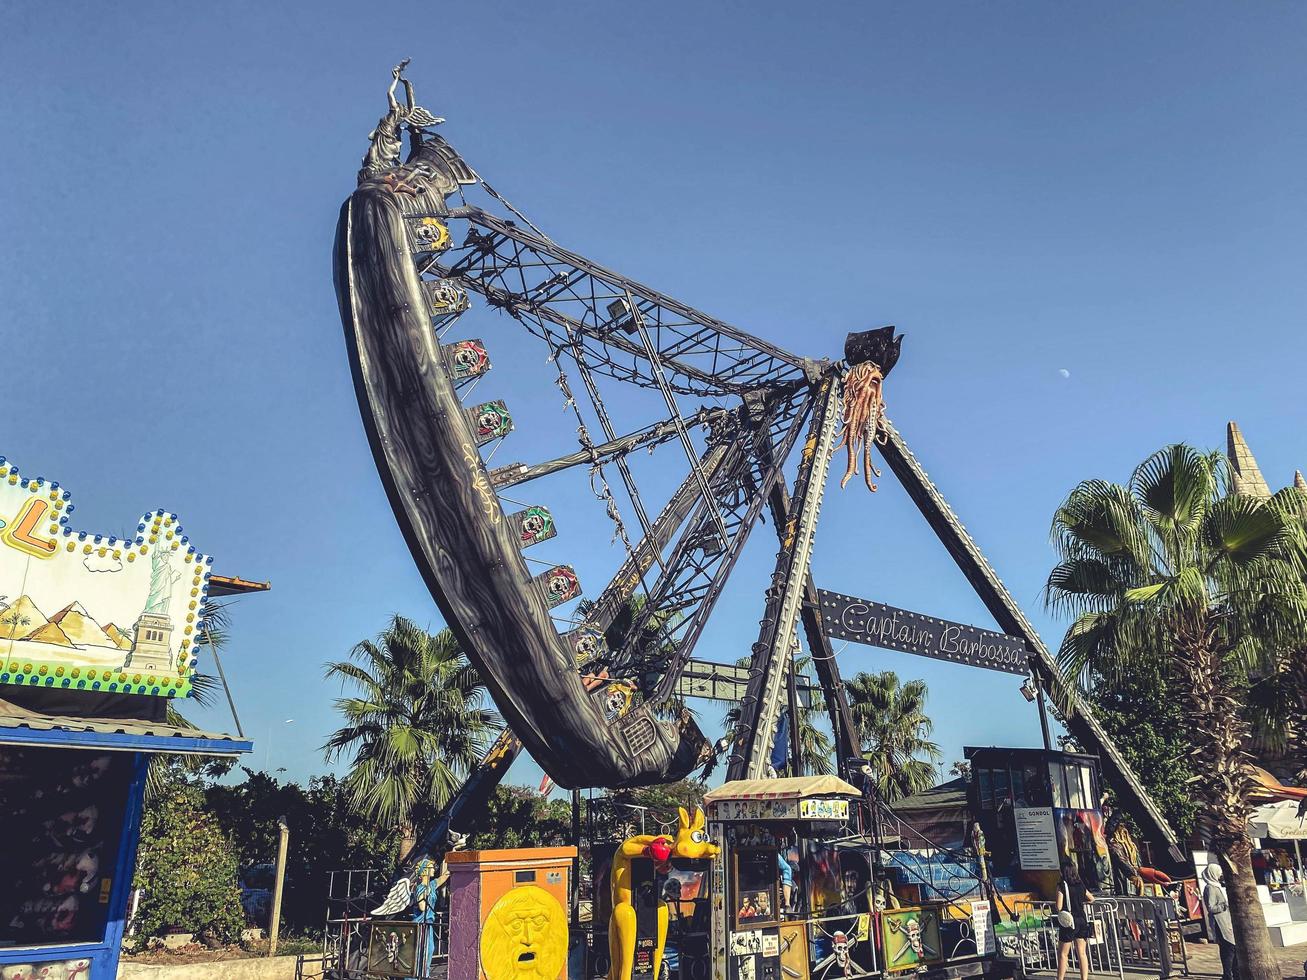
(876, 624)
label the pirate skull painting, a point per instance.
(467, 359)
(429, 235)
(535, 524)
(444, 297)
(560, 584)
(588, 643)
(392, 951)
(490, 421)
(911, 938)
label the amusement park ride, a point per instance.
(596, 702)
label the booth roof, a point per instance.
(20, 726)
(788, 788)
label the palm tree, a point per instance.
(1171, 570)
(894, 731)
(416, 727)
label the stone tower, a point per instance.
(1245, 475)
(152, 643)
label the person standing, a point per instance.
(1218, 908)
(1073, 925)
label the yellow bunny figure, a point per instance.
(691, 841)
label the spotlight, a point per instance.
(1028, 690)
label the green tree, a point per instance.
(1171, 570)
(187, 869)
(516, 816)
(1147, 724)
(419, 722)
(894, 731)
(326, 834)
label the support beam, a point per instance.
(847, 743)
(1075, 714)
(515, 473)
(774, 650)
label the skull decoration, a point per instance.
(535, 524)
(490, 420)
(466, 359)
(587, 643)
(444, 296)
(840, 945)
(560, 584)
(914, 936)
(429, 235)
(917, 943)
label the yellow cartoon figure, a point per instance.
(691, 841)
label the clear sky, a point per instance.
(1088, 219)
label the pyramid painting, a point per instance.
(71, 626)
(20, 619)
(95, 612)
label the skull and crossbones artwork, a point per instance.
(444, 296)
(587, 643)
(841, 954)
(561, 584)
(917, 942)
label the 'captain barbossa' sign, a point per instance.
(90, 611)
(879, 625)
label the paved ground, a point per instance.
(1205, 960)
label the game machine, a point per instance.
(96, 634)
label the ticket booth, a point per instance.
(1037, 809)
(787, 903)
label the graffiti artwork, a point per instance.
(95, 612)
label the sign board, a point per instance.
(879, 625)
(95, 612)
(809, 809)
(1036, 838)
(727, 682)
(980, 928)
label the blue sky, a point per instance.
(1088, 219)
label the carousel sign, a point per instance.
(94, 612)
(879, 625)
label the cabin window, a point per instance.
(757, 876)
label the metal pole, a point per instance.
(1043, 716)
(792, 691)
(576, 861)
(274, 924)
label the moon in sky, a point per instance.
(1064, 372)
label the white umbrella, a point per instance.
(1281, 821)
(1278, 820)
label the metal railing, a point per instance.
(1131, 935)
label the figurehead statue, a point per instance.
(386, 141)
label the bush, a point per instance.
(187, 868)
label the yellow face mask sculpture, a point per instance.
(525, 936)
(691, 841)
